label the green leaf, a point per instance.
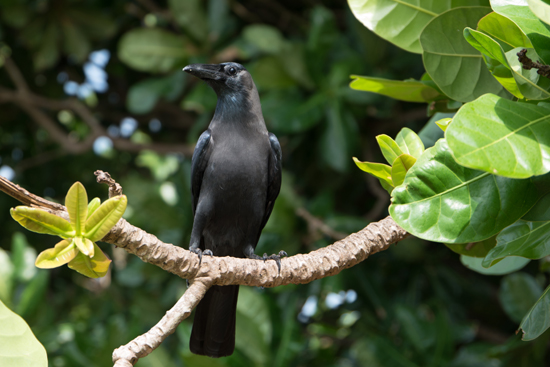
(378, 170)
(84, 245)
(390, 149)
(400, 167)
(144, 95)
(507, 69)
(503, 137)
(18, 345)
(62, 253)
(40, 221)
(537, 319)
(401, 21)
(517, 294)
(409, 142)
(190, 16)
(23, 257)
(76, 202)
(431, 133)
(105, 217)
(265, 38)
(540, 212)
(95, 267)
(537, 31)
(456, 67)
(506, 266)
(474, 249)
(336, 139)
(408, 90)
(504, 31)
(253, 327)
(444, 123)
(153, 50)
(442, 201)
(93, 205)
(540, 9)
(526, 239)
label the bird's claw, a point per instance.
(199, 253)
(277, 258)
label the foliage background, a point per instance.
(415, 304)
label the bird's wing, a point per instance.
(201, 154)
(275, 173)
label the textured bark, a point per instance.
(297, 269)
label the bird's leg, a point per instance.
(249, 253)
(196, 233)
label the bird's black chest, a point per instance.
(235, 187)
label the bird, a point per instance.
(235, 179)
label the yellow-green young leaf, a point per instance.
(378, 170)
(105, 217)
(40, 221)
(389, 148)
(93, 205)
(62, 253)
(84, 245)
(409, 142)
(400, 167)
(444, 123)
(76, 202)
(95, 267)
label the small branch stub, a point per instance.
(104, 177)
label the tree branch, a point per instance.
(297, 269)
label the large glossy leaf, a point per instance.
(152, 49)
(442, 201)
(504, 31)
(474, 249)
(517, 294)
(402, 21)
(62, 253)
(76, 202)
(40, 221)
(408, 90)
(541, 9)
(400, 167)
(500, 136)
(540, 212)
(388, 146)
(105, 217)
(95, 267)
(456, 67)
(526, 239)
(537, 319)
(537, 31)
(506, 266)
(18, 345)
(507, 69)
(409, 142)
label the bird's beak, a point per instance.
(204, 71)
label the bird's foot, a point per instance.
(277, 258)
(199, 253)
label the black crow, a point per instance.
(235, 179)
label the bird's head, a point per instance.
(226, 79)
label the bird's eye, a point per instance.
(232, 70)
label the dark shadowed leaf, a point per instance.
(537, 319)
(540, 212)
(517, 294)
(526, 239)
(474, 249)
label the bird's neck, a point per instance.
(240, 110)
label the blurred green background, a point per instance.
(412, 305)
